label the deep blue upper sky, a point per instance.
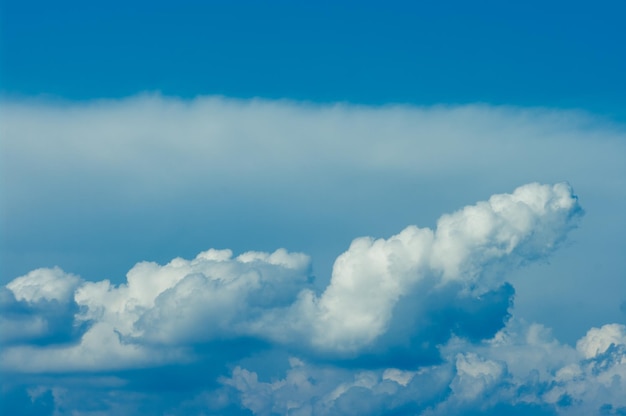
(555, 54)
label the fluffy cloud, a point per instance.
(162, 310)
(181, 303)
(214, 292)
(522, 370)
(417, 323)
(93, 186)
(371, 278)
(44, 284)
(38, 308)
(599, 340)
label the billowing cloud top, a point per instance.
(262, 295)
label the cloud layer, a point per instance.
(262, 295)
(94, 186)
(521, 370)
(435, 319)
(416, 323)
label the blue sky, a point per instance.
(563, 54)
(298, 208)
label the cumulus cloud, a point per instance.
(417, 323)
(208, 297)
(39, 308)
(422, 322)
(521, 370)
(44, 284)
(598, 340)
(93, 186)
(371, 277)
(180, 303)
(217, 296)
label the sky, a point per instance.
(225, 208)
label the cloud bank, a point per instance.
(263, 295)
(417, 323)
(521, 370)
(435, 319)
(94, 186)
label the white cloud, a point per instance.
(182, 302)
(212, 171)
(522, 369)
(371, 278)
(474, 375)
(598, 340)
(100, 348)
(150, 146)
(44, 284)
(154, 177)
(217, 296)
(38, 307)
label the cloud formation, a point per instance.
(435, 319)
(417, 323)
(93, 186)
(263, 295)
(521, 370)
